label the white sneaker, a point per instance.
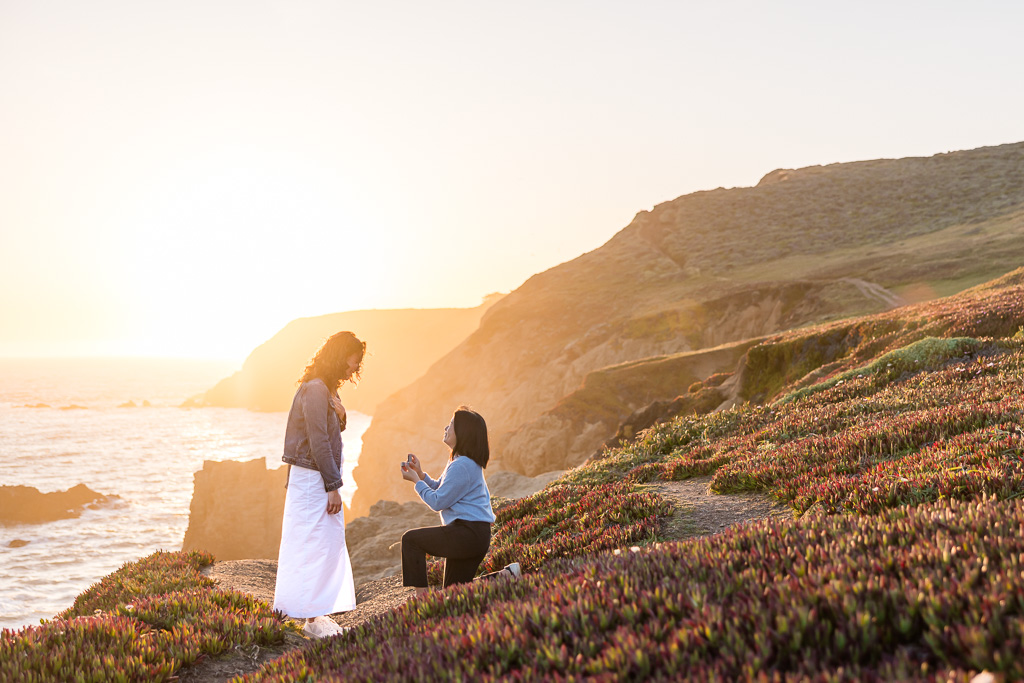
(514, 570)
(322, 627)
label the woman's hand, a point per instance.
(414, 463)
(333, 502)
(408, 473)
(411, 469)
(339, 410)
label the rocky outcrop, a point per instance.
(706, 269)
(236, 510)
(27, 505)
(401, 345)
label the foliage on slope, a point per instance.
(141, 623)
(806, 357)
(912, 594)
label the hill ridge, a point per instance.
(678, 277)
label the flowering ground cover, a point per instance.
(141, 623)
(881, 437)
(914, 593)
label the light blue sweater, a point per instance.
(460, 493)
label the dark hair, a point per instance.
(470, 436)
(330, 363)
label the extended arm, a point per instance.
(457, 483)
(412, 471)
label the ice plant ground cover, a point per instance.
(914, 593)
(141, 623)
(897, 441)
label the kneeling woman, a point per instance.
(462, 498)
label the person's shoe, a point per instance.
(322, 627)
(514, 570)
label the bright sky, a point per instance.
(183, 178)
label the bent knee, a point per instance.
(410, 537)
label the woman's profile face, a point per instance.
(353, 364)
(449, 435)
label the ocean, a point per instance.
(70, 421)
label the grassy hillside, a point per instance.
(802, 247)
(896, 441)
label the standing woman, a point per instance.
(462, 498)
(314, 576)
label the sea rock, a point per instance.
(236, 510)
(18, 543)
(26, 505)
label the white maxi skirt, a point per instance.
(314, 574)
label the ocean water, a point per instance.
(65, 422)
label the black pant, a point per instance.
(462, 544)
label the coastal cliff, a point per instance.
(709, 268)
(401, 345)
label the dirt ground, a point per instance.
(697, 512)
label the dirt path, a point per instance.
(875, 291)
(257, 577)
(698, 512)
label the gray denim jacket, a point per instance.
(312, 438)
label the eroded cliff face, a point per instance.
(702, 270)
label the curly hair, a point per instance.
(330, 363)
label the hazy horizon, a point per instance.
(182, 181)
